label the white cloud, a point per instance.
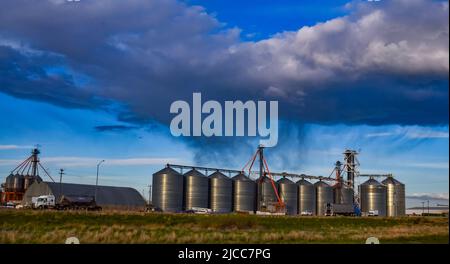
(369, 40)
(8, 147)
(412, 132)
(428, 134)
(381, 134)
(429, 196)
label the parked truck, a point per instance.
(66, 202)
(340, 209)
(43, 202)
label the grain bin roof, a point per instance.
(106, 195)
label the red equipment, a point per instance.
(264, 171)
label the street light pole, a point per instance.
(61, 172)
(96, 180)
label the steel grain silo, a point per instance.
(220, 193)
(373, 197)
(167, 190)
(266, 192)
(395, 197)
(9, 183)
(306, 197)
(195, 190)
(288, 192)
(324, 196)
(28, 180)
(244, 193)
(18, 183)
(343, 195)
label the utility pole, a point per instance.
(423, 208)
(96, 181)
(428, 205)
(61, 173)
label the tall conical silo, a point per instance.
(306, 197)
(195, 190)
(167, 190)
(373, 197)
(244, 193)
(324, 196)
(395, 197)
(220, 193)
(288, 192)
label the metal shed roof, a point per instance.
(106, 195)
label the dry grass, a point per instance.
(136, 227)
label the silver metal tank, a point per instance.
(343, 195)
(18, 183)
(167, 190)
(28, 180)
(288, 192)
(373, 197)
(395, 197)
(244, 193)
(9, 183)
(324, 196)
(306, 197)
(220, 193)
(195, 190)
(266, 192)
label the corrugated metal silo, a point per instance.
(266, 192)
(220, 193)
(324, 196)
(9, 183)
(244, 193)
(28, 180)
(306, 197)
(288, 192)
(343, 195)
(373, 197)
(18, 183)
(195, 190)
(395, 197)
(167, 190)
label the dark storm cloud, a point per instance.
(385, 63)
(114, 128)
(24, 75)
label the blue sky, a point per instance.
(261, 19)
(346, 74)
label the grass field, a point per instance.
(25, 226)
